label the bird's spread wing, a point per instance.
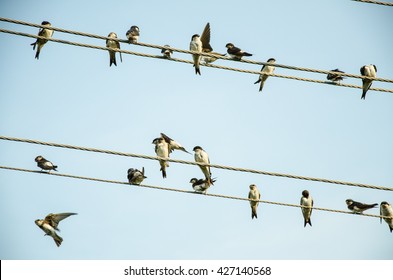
(205, 39)
(166, 138)
(54, 219)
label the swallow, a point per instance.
(166, 52)
(255, 195)
(50, 223)
(369, 71)
(235, 52)
(387, 210)
(201, 156)
(266, 69)
(173, 145)
(114, 44)
(133, 34)
(307, 201)
(47, 33)
(45, 164)
(196, 46)
(200, 185)
(135, 177)
(162, 150)
(335, 76)
(358, 207)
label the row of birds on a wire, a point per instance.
(202, 44)
(164, 145)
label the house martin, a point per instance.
(369, 71)
(200, 185)
(201, 156)
(266, 70)
(47, 33)
(335, 76)
(50, 223)
(166, 52)
(307, 201)
(135, 177)
(162, 150)
(45, 164)
(133, 34)
(387, 210)
(173, 145)
(115, 45)
(235, 52)
(255, 195)
(196, 46)
(358, 207)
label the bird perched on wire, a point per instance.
(306, 201)
(200, 185)
(266, 69)
(135, 177)
(114, 44)
(166, 52)
(133, 34)
(196, 46)
(201, 156)
(173, 145)
(235, 52)
(45, 164)
(206, 47)
(255, 195)
(335, 76)
(39, 43)
(369, 71)
(358, 207)
(50, 223)
(387, 211)
(162, 150)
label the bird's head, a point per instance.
(229, 46)
(196, 148)
(349, 201)
(305, 193)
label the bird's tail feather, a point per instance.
(247, 54)
(307, 222)
(57, 239)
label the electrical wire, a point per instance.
(375, 2)
(185, 191)
(245, 170)
(191, 62)
(84, 34)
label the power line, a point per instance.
(246, 170)
(375, 2)
(187, 51)
(191, 62)
(183, 191)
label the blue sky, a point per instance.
(71, 95)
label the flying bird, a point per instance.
(235, 52)
(173, 145)
(266, 69)
(162, 150)
(358, 207)
(200, 185)
(335, 75)
(196, 46)
(133, 34)
(369, 71)
(166, 52)
(44, 32)
(387, 210)
(306, 201)
(135, 177)
(115, 45)
(50, 223)
(206, 47)
(201, 156)
(256, 195)
(45, 164)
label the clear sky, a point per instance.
(71, 95)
